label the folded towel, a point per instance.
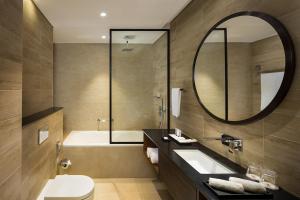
(176, 101)
(226, 185)
(249, 186)
(182, 139)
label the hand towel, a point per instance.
(176, 101)
(249, 186)
(226, 185)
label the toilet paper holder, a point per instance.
(65, 163)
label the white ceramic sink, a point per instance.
(202, 162)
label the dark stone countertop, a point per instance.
(37, 116)
(167, 147)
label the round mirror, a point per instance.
(243, 67)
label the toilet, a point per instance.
(68, 187)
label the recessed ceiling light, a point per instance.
(103, 37)
(103, 14)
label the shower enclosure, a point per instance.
(139, 82)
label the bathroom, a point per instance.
(136, 99)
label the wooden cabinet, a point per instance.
(178, 184)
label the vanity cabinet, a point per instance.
(178, 184)
(183, 182)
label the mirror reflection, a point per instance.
(239, 68)
(209, 73)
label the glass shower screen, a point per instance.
(138, 83)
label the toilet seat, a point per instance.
(69, 187)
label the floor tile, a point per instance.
(130, 188)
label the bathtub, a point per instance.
(91, 154)
(101, 138)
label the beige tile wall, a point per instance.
(109, 162)
(274, 142)
(132, 87)
(81, 82)
(39, 162)
(37, 60)
(160, 78)
(81, 85)
(10, 98)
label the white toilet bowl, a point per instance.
(68, 187)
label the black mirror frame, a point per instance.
(289, 66)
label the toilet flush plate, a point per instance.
(43, 134)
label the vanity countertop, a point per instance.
(167, 147)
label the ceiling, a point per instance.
(79, 21)
(139, 37)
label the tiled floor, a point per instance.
(133, 189)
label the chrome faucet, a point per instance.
(234, 144)
(99, 121)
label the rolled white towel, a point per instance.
(154, 159)
(154, 151)
(154, 156)
(149, 150)
(226, 185)
(249, 186)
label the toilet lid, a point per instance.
(70, 187)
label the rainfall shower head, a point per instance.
(126, 48)
(128, 37)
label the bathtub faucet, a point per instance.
(99, 121)
(102, 120)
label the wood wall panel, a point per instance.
(39, 162)
(10, 98)
(37, 60)
(265, 141)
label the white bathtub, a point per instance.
(92, 155)
(101, 138)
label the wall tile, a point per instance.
(188, 29)
(9, 104)
(10, 98)
(11, 188)
(11, 75)
(38, 60)
(86, 68)
(283, 157)
(39, 162)
(10, 147)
